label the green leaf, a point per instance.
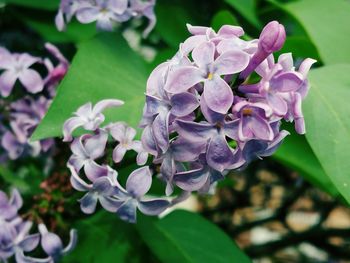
(326, 111)
(223, 17)
(76, 32)
(247, 9)
(187, 237)
(296, 153)
(105, 238)
(104, 67)
(327, 24)
(38, 4)
(301, 47)
(171, 22)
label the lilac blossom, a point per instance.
(203, 117)
(52, 244)
(88, 117)
(15, 237)
(217, 93)
(125, 135)
(17, 67)
(106, 13)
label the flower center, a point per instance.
(247, 112)
(210, 76)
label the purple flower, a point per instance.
(141, 8)
(53, 246)
(138, 184)
(86, 149)
(271, 39)
(25, 115)
(10, 207)
(55, 73)
(253, 121)
(88, 117)
(17, 67)
(217, 92)
(125, 135)
(219, 155)
(104, 12)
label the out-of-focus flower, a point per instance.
(88, 117)
(106, 13)
(17, 67)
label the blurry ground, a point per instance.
(276, 216)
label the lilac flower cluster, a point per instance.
(15, 237)
(92, 174)
(202, 108)
(106, 13)
(23, 111)
(204, 116)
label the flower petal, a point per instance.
(160, 128)
(195, 131)
(191, 180)
(183, 104)
(153, 207)
(103, 104)
(31, 80)
(7, 81)
(218, 95)
(219, 154)
(88, 203)
(231, 62)
(203, 54)
(69, 126)
(139, 182)
(182, 79)
(95, 145)
(127, 211)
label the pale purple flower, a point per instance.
(139, 8)
(86, 149)
(208, 69)
(53, 246)
(253, 121)
(17, 67)
(104, 12)
(88, 117)
(102, 190)
(55, 73)
(125, 135)
(137, 185)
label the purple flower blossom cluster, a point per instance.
(92, 172)
(15, 237)
(106, 13)
(214, 107)
(23, 109)
(203, 110)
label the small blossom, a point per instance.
(88, 117)
(17, 67)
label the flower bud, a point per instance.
(272, 37)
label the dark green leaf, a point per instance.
(327, 24)
(223, 17)
(105, 238)
(38, 4)
(327, 118)
(104, 67)
(187, 237)
(296, 153)
(247, 8)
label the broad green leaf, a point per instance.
(327, 24)
(76, 32)
(223, 17)
(327, 118)
(38, 4)
(301, 47)
(105, 238)
(172, 18)
(104, 67)
(187, 237)
(247, 8)
(297, 154)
